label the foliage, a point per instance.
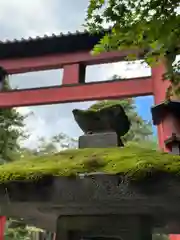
(147, 144)
(150, 25)
(48, 146)
(140, 129)
(18, 233)
(18, 230)
(45, 147)
(55, 143)
(63, 141)
(132, 161)
(11, 129)
(160, 237)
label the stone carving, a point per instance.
(105, 119)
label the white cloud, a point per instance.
(21, 18)
(24, 18)
(35, 125)
(132, 69)
(122, 69)
(24, 110)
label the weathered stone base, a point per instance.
(99, 140)
(110, 227)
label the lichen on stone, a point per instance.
(104, 116)
(103, 104)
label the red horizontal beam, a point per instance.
(78, 92)
(22, 65)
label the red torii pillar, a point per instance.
(174, 237)
(2, 226)
(159, 90)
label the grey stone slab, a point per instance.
(98, 140)
(109, 227)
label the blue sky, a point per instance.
(36, 18)
(144, 106)
(144, 109)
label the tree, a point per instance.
(46, 147)
(11, 129)
(160, 237)
(55, 143)
(64, 141)
(18, 232)
(150, 25)
(140, 130)
(49, 146)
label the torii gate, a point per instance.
(71, 53)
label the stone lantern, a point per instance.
(168, 114)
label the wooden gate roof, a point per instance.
(39, 46)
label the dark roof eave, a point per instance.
(68, 43)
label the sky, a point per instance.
(22, 19)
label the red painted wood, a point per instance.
(56, 61)
(159, 90)
(2, 226)
(71, 74)
(79, 92)
(174, 237)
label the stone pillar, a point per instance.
(118, 227)
(98, 140)
(140, 229)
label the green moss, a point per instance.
(98, 106)
(132, 161)
(103, 104)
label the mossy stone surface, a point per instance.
(103, 104)
(105, 116)
(132, 161)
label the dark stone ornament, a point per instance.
(168, 113)
(110, 119)
(173, 144)
(160, 111)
